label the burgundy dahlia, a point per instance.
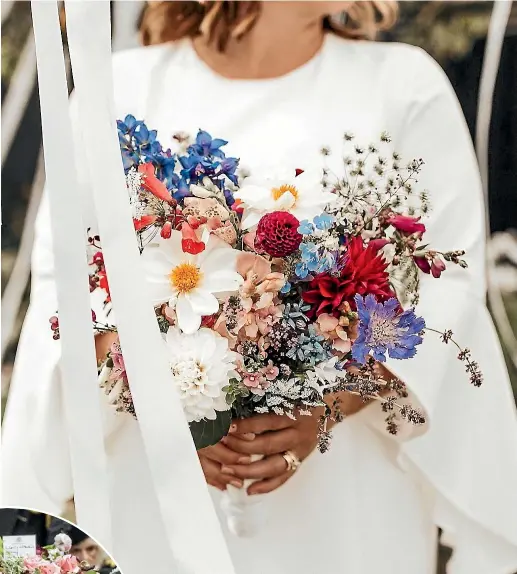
(277, 234)
(363, 273)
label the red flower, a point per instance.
(277, 234)
(103, 282)
(144, 221)
(406, 224)
(364, 273)
(152, 184)
(190, 242)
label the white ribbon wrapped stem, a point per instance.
(186, 508)
(245, 514)
(78, 364)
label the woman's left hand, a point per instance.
(274, 435)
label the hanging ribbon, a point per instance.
(186, 508)
(78, 363)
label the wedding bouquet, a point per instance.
(269, 288)
(53, 559)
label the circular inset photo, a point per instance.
(33, 542)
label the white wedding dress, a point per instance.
(372, 503)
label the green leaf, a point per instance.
(207, 433)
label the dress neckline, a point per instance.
(195, 61)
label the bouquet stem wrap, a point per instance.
(244, 513)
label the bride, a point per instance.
(279, 80)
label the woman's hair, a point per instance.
(221, 21)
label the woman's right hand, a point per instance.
(214, 462)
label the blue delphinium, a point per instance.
(207, 146)
(384, 329)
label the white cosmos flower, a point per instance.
(302, 196)
(201, 365)
(191, 284)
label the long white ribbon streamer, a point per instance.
(187, 511)
(78, 364)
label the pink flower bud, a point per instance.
(406, 224)
(437, 266)
(166, 231)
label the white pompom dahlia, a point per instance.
(201, 364)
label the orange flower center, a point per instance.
(277, 192)
(185, 277)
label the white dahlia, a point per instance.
(300, 195)
(191, 284)
(201, 365)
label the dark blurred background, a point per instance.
(454, 33)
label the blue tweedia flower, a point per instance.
(305, 227)
(206, 146)
(383, 329)
(324, 221)
(327, 261)
(286, 288)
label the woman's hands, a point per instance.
(215, 459)
(272, 436)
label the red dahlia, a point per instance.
(277, 234)
(364, 272)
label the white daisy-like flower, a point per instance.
(191, 284)
(300, 195)
(201, 364)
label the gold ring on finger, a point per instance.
(293, 462)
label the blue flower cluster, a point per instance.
(314, 257)
(204, 158)
(311, 348)
(384, 329)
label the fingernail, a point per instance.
(233, 428)
(236, 483)
(227, 470)
(244, 460)
(248, 436)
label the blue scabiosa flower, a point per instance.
(383, 329)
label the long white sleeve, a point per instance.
(35, 453)
(468, 456)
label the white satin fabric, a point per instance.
(373, 502)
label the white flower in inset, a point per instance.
(63, 542)
(201, 365)
(300, 195)
(191, 284)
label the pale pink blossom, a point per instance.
(256, 382)
(49, 568)
(270, 371)
(119, 369)
(32, 562)
(260, 306)
(68, 564)
(333, 329)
